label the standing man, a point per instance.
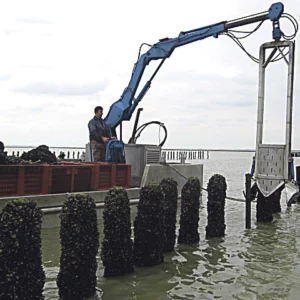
(99, 135)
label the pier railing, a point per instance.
(186, 154)
(78, 153)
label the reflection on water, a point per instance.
(261, 263)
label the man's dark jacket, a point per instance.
(98, 129)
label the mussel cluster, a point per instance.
(216, 189)
(117, 246)
(169, 189)
(21, 271)
(40, 154)
(9, 160)
(266, 206)
(263, 208)
(79, 237)
(189, 217)
(149, 232)
(4, 159)
(276, 196)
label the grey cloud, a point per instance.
(187, 76)
(40, 108)
(35, 67)
(32, 20)
(33, 107)
(214, 93)
(10, 31)
(209, 85)
(35, 110)
(66, 105)
(62, 89)
(4, 77)
(234, 99)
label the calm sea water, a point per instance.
(260, 263)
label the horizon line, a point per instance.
(167, 149)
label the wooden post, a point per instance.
(45, 180)
(96, 177)
(21, 180)
(113, 175)
(248, 201)
(74, 172)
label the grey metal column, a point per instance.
(261, 102)
(289, 107)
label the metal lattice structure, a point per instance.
(272, 164)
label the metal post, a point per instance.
(131, 141)
(261, 100)
(289, 107)
(248, 201)
(121, 131)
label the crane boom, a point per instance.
(124, 108)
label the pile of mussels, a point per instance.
(3, 155)
(117, 246)
(3, 158)
(79, 237)
(189, 218)
(21, 271)
(169, 189)
(216, 189)
(39, 155)
(149, 231)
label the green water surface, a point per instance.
(260, 263)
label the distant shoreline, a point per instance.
(210, 150)
(164, 149)
(23, 147)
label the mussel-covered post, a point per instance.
(117, 246)
(79, 246)
(216, 189)
(276, 196)
(21, 271)
(265, 207)
(189, 217)
(149, 232)
(169, 189)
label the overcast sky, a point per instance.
(60, 59)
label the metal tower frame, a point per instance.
(272, 163)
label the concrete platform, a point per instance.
(154, 173)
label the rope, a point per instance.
(202, 188)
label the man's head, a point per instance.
(98, 111)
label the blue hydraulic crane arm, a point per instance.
(124, 108)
